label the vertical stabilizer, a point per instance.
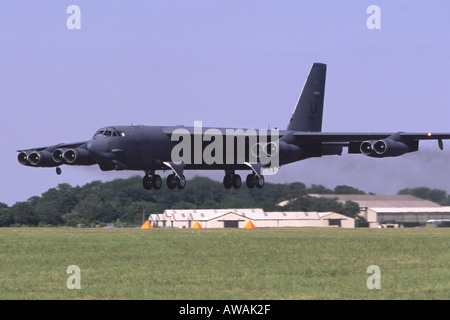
(308, 113)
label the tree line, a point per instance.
(125, 203)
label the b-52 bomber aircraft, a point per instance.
(179, 148)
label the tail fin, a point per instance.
(307, 114)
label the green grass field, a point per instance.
(224, 263)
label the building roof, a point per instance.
(199, 212)
(326, 216)
(287, 215)
(252, 214)
(209, 214)
(154, 217)
(381, 201)
(412, 210)
(205, 216)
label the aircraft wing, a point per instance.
(54, 147)
(311, 137)
(371, 144)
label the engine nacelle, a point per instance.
(289, 151)
(390, 148)
(78, 156)
(41, 159)
(267, 149)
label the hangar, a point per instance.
(394, 210)
(240, 218)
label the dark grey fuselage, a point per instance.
(149, 147)
(179, 148)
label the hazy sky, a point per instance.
(229, 64)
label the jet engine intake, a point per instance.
(58, 155)
(22, 157)
(78, 156)
(366, 148)
(41, 159)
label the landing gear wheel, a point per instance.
(156, 182)
(259, 181)
(171, 181)
(181, 182)
(250, 181)
(58, 171)
(228, 181)
(237, 181)
(147, 182)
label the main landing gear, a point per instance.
(254, 181)
(177, 180)
(152, 180)
(232, 180)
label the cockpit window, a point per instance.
(110, 133)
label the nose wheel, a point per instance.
(58, 171)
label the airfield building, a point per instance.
(246, 218)
(394, 210)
